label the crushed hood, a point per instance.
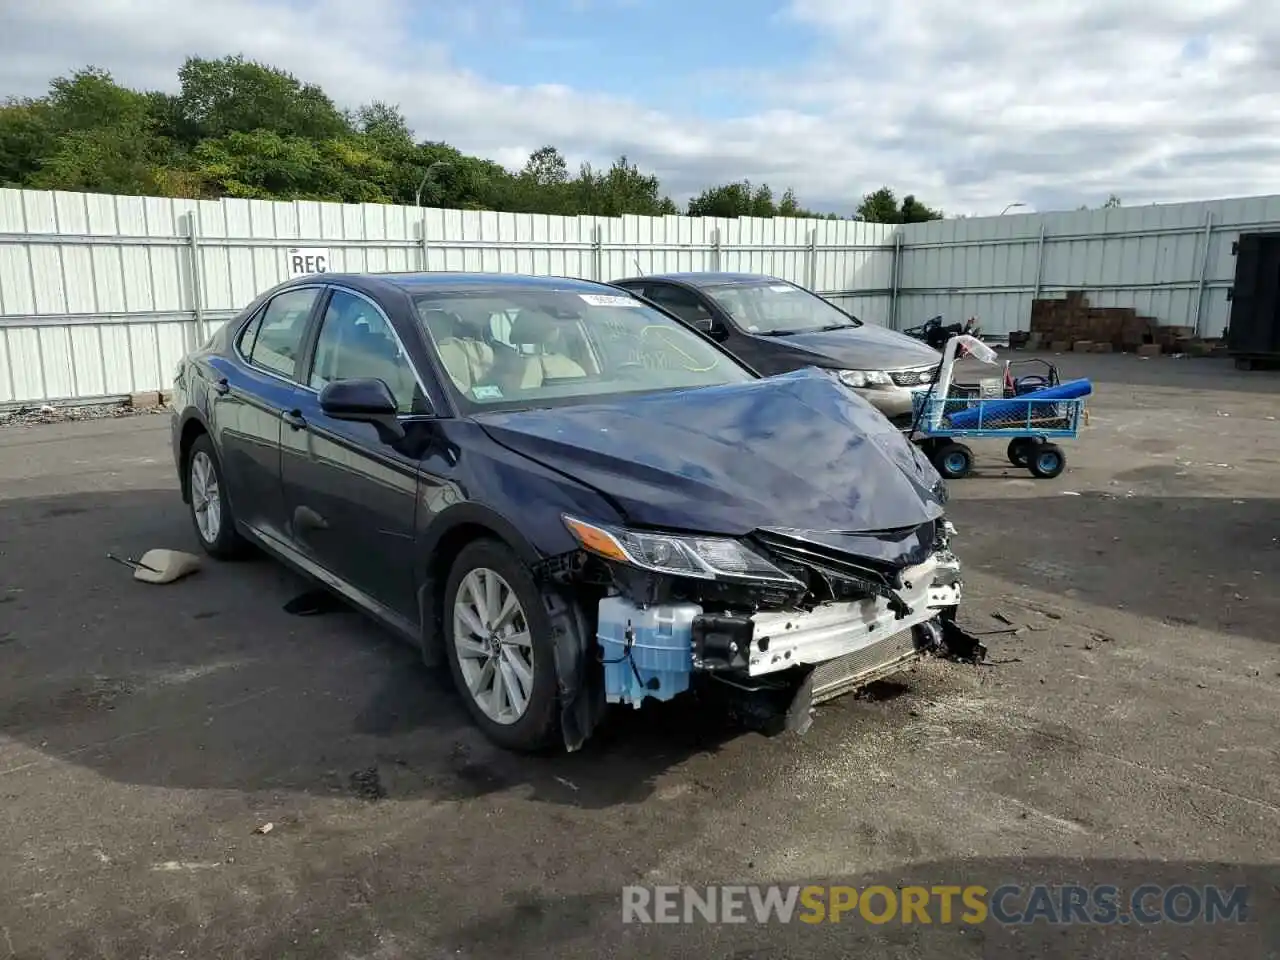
(796, 451)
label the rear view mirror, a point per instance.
(363, 401)
(708, 326)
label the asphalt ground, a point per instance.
(1125, 734)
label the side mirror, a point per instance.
(363, 401)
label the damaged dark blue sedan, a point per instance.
(567, 495)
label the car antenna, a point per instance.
(636, 260)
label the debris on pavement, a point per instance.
(959, 644)
(160, 565)
(367, 784)
(264, 828)
(26, 416)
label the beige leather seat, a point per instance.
(467, 361)
(466, 357)
(544, 334)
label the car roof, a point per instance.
(705, 278)
(444, 281)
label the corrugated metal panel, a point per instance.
(1150, 258)
(100, 295)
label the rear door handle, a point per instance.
(221, 386)
(295, 419)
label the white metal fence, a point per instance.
(100, 295)
(1169, 261)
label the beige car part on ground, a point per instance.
(164, 566)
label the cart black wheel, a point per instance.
(1047, 461)
(953, 460)
(1020, 450)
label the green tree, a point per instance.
(913, 211)
(882, 206)
(92, 134)
(619, 190)
(385, 125)
(744, 200)
(27, 136)
(1111, 203)
(237, 128)
(734, 200)
(546, 167)
(234, 95)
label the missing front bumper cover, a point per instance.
(722, 642)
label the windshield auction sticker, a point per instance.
(604, 300)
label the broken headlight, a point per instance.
(707, 558)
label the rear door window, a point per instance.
(274, 340)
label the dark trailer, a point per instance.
(1253, 334)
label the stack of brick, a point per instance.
(1072, 323)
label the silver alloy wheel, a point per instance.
(495, 650)
(205, 500)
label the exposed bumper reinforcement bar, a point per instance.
(863, 635)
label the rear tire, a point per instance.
(498, 641)
(211, 515)
(1047, 461)
(1020, 450)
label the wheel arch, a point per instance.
(447, 535)
(193, 426)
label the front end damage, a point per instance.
(769, 625)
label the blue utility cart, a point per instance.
(1031, 411)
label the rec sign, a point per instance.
(305, 261)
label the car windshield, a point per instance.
(524, 347)
(776, 308)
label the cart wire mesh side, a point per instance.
(1012, 416)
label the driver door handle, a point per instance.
(295, 419)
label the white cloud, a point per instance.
(970, 106)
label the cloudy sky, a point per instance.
(970, 106)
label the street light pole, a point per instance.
(429, 175)
(1010, 207)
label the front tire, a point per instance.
(211, 514)
(498, 640)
